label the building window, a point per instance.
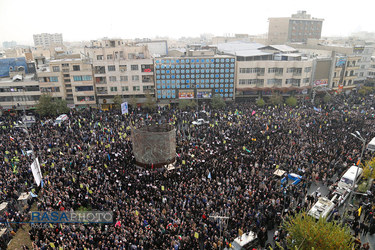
(99, 70)
(134, 67)
(82, 78)
(112, 78)
(306, 80)
(85, 98)
(77, 78)
(276, 82)
(99, 57)
(65, 64)
(295, 71)
(56, 69)
(145, 88)
(278, 71)
(293, 82)
(53, 79)
(308, 69)
(84, 88)
(136, 88)
(86, 78)
(76, 68)
(113, 89)
(66, 75)
(125, 88)
(111, 68)
(123, 78)
(66, 80)
(135, 78)
(50, 89)
(259, 71)
(147, 68)
(123, 68)
(109, 57)
(257, 82)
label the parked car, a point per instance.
(200, 122)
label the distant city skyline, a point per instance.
(90, 20)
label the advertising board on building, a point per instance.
(341, 61)
(322, 82)
(186, 94)
(205, 93)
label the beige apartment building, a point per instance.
(371, 71)
(121, 69)
(19, 91)
(260, 69)
(262, 76)
(344, 73)
(70, 79)
(297, 28)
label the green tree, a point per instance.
(276, 99)
(307, 233)
(186, 104)
(61, 106)
(45, 105)
(327, 98)
(291, 101)
(362, 91)
(150, 102)
(217, 102)
(260, 102)
(117, 100)
(133, 102)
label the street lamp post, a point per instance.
(359, 137)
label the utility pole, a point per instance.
(221, 219)
(359, 137)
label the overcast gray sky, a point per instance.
(93, 19)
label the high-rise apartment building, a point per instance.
(297, 28)
(9, 44)
(70, 79)
(121, 69)
(46, 39)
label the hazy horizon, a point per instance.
(89, 20)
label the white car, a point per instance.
(200, 122)
(61, 119)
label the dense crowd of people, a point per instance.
(224, 168)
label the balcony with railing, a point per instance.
(101, 91)
(100, 80)
(147, 79)
(99, 70)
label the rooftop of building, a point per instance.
(18, 78)
(237, 46)
(243, 49)
(300, 15)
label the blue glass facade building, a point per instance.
(194, 77)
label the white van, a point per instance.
(61, 119)
(371, 145)
(349, 177)
(322, 208)
(247, 241)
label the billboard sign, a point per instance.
(322, 82)
(186, 94)
(205, 93)
(341, 61)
